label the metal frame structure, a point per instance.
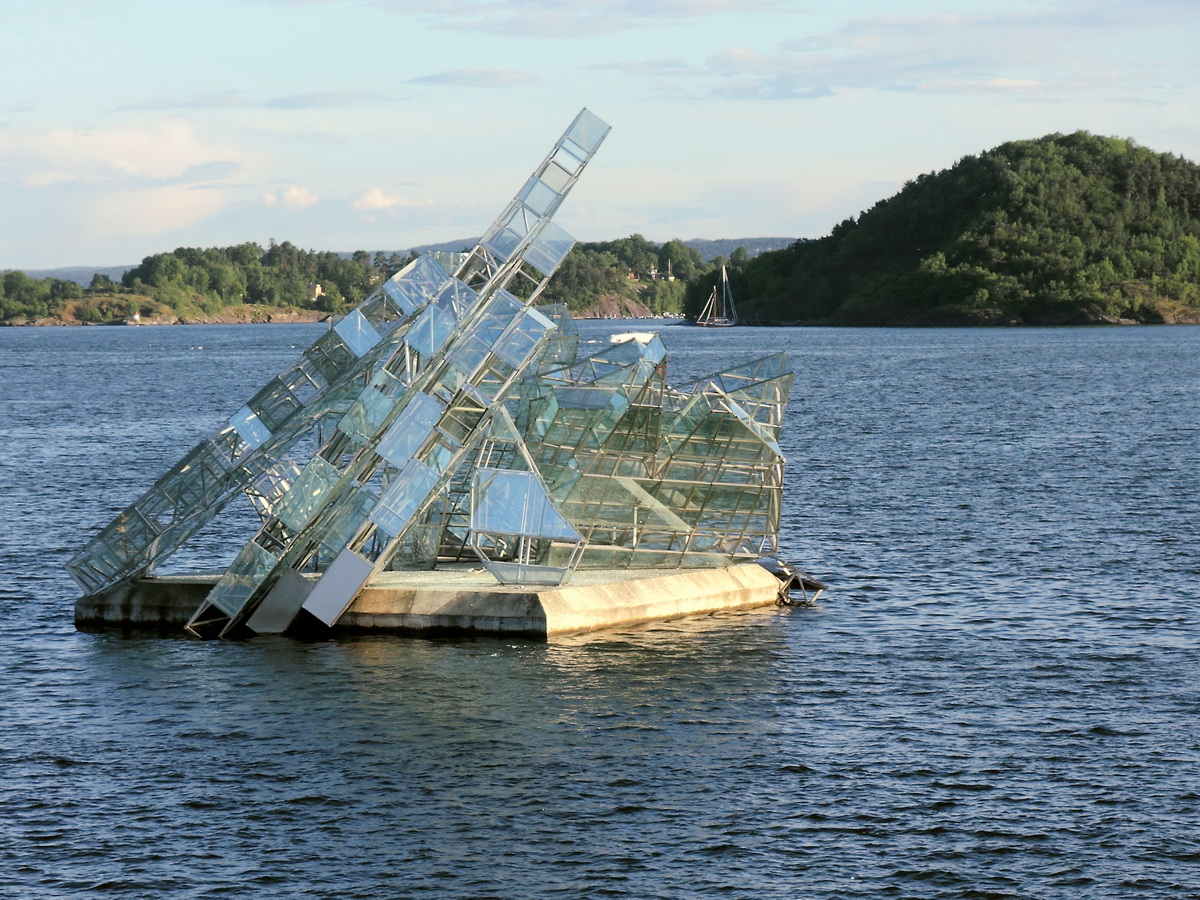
(445, 418)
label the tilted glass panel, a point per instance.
(502, 308)
(397, 295)
(584, 396)
(549, 248)
(359, 334)
(412, 286)
(302, 500)
(521, 573)
(514, 347)
(514, 503)
(95, 566)
(757, 428)
(198, 479)
(240, 580)
(274, 404)
(456, 298)
(250, 427)
(463, 415)
(430, 331)
(365, 415)
(588, 130)
(538, 195)
(502, 240)
(465, 358)
(329, 356)
(554, 176)
(412, 426)
(267, 481)
(403, 496)
(571, 162)
(345, 520)
(382, 311)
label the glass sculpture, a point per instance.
(448, 419)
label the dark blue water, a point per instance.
(998, 698)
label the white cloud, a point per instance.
(144, 180)
(106, 159)
(151, 212)
(293, 197)
(1053, 53)
(374, 199)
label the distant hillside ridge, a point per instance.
(711, 249)
(1059, 230)
(80, 274)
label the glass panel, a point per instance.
(514, 503)
(381, 310)
(346, 520)
(518, 573)
(304, 497)
(365, 415)
(274, 404)
(249, 427)
(502, 308)
(456, 299)
(517, 346)
(588, 130)
(359, 334)
(400, 501)
(239, 582)
(569, 161)
(555, 176)
(430, 331)
(398, 296)
(465, 358)
(410, 429)
(538, 195)
(575, 150)
(549, 249)
(412, 286)
(329, 356)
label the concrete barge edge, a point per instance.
(462, 600)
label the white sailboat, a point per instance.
(719, 311)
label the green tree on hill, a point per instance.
(1066, 228)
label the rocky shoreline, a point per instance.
(228, 316)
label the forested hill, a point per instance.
(1063, 229)
(629, 276)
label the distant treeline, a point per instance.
(194, 282)
(1063, 229)
(634, 268)
(190, 282)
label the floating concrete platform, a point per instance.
(458, 599)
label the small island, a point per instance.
(1066, 229)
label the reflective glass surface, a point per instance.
(359, 334)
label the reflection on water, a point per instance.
(996, 699)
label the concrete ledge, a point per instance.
(459, 599)
(162, 603)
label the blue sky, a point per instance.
(131, 127)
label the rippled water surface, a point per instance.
(998, 698)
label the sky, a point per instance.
(132, 127)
